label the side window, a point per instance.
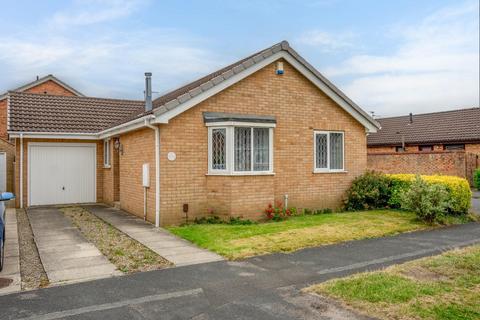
(106, 153)
(329, 149)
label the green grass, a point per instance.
(441, 287)
(240, 241)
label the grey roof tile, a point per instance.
(440, 127)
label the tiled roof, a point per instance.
(449, 126)
(40, 81)
(48, 113)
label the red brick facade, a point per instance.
(452, 163)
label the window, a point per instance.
(454, 147)
(329, 151)
(425, 148)
(106, 153)
(399, 149)
(240, 150)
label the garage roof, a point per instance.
(30, 112)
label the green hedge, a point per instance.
(476, 179)
(375, 190)
(459, 193)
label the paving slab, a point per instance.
(178, 251)
(65, 254)
(11, 269)
(476, 201)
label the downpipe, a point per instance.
(157, 171)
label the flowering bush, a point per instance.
(277, 212)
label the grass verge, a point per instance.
(440, 287)
(125, 253)
(240, 241)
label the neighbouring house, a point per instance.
(263, 129)
(45, 85)
(445, 143)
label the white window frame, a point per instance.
(230, 148)
(106, 154)
(327, 170)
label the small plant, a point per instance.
(277, 212)
(208, 220)
(307, 211)
(293, 211)
(476, 179)
(428, 201)
(240, 221)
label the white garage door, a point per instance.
(61, 173)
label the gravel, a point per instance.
(127, 254)
(31, 268)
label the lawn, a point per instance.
(240, 241)
(441, 287)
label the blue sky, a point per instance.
(391, 57)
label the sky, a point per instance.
(390, 57)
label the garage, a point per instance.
(61, 173)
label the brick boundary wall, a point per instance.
(452, 163)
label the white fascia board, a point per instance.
(165, 117)
(54, 135)
(125, 127)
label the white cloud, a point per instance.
(110, 64)
(326, 41)
(435, 67)
(86, 12)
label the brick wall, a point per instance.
(111, 177)
(138, 148)
(99, 172)
(299, 107)
(453, 163)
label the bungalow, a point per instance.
(45, 85)
(267, 128)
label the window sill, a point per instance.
(106, 166)
(329, 171)
(236, 174)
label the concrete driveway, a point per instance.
(264, 287)
(65, 254)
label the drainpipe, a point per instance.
(157, 171)
(21, 170)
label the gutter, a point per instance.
(157, 170)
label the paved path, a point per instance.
(178, 251)
(476, 201)
(265, 287)
(65, 254)
(11, 269)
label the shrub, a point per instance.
(368, 191)
(429, 201)
(458, 189)
(476, 179)
(277, 212)
(240, 221)
(208, 220)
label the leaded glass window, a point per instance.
(329, 151)
(219, 149)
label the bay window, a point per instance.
(328, 151)
(240, 149)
